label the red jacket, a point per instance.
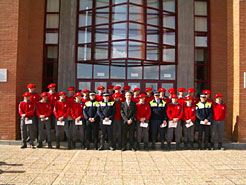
(195, 101)
(135, 99)
(117, 115)
(70, 100)
(148, 99)
(34, 98)
(61, 109)
(44, 108)
(99, 98)
(181, 101)
(27, 108)
(219, 112)
(166, 99)
(143, 111)
(52, 98)
(174, 111)
(210, 100)
(189, 113)
(85, 100)
(77, 110)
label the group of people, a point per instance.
(122, 117)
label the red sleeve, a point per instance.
(193, 118)
(37, 112)
(48, 114)
(31, 112)
(20, 109)
(148, 112)
(55, 111)
(137, 115)
(73, 112)
(180, 114)
(169, 115)
(68, 111)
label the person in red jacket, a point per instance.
(174, 114)
(149, 95)
(78, 120)
(26, 111)
(191, 92)
(181, 97)
(99, 96)
(189, 118)
(52, 98)
(163, 96)
(142, 116)
(136, 93)
(117, 89)
(219, 109)
(70, 99)
(208, 94)
(61, 112)
(171, 92)
(43, 113)
(117, 122)
(86, 97)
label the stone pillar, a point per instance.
(66, 66)
(185, 44)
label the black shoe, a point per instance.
(101, 148)
(211, 146)
(95, 146)
(162, 146)
(57, 145)
(153, 146)
(82, 146)
(220, 146)
(146, 147)
(123, 149)
(177, 146)
(168, 146)
(40, 144)
(185, 146)
(206, 147)
(74, 145)
(49, 145)
(192, 145)
(32, 146)
(23, 146)
(138, 146)
(199, 146)
(69, 145)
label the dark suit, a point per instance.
(127, 113)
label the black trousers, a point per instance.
(91, 132)
(155, 124)
(206, 130)
(125, 130)
(107, 131)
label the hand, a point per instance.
(77, 119)
(175, 119)
(26, 119)
(42, 119)
(42, 116)
(92, 120)
(205, 121)
(60, 119)
(23, 115)
(142, 120)
(188, 121)
(106, 119)
(129, 122)
(164, 122)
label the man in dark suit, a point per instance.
(128, 113)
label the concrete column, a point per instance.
(185, 44)
(66, 66)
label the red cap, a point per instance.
(44, 94)
(110, 87)
(100, 88)
(27, 94)
(51, 85)
(126, 88)
(206, 92)
(71, 88)
(116, 95)
(181, 90)
(188, 98)
(191, 90)
(148, 89)
(31, 86)
(162, 90)
(136, 89)
(62, 93)
(117, 87)
(142, 96)
(174, 96)
(171, 91)
(85, 91)
(218, 95)
(77, 94)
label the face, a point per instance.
(117, 99)
(208, 95)
(189, 101)
(86, 94)
(128, 96)
(105, 98)
(136, 93)
(78, 98)
(181, 93)
(70, 93)
(162, 93)
(52, 89)
(202, 99)
(191, 94)
(100, 91)
(31, 90)
(174, 100)
(117, 90)
(141, 100)
(157, 97)
(62, 97)
(27, 98)
(45, 98)
(110, 90)
(218, 100)
(149, 93)
(92, 97)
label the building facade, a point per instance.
(141, 43)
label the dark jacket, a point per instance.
(106, 110)
(90, 109)
(158, 110)
(128, 112)
(204, 111)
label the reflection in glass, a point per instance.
(136, 50)
(85, 85)
(136, 31)
(200, 8)
(169, 5)
(151, 85)
(167, 86)
(201, 56)
(84, 36)
(153, 3)
(52, 6)
(134, 85)
(101, 71)
(102, 16)
(118, 1)
(134, 72)
(85, 18)
(84, 53)
(152, 52)
(168, 72)
(168, 54)
(51, 38)
(136, 13)
(152, 17)
(52, 21)
(169, 21)
(119, 31)
(101, 51)
(169, 38)
(151, 72)
(101, 33)
(100, 3)
(118, 72)
(85, 4)
(84, 71)
(201, 41)
(118, 50)
(50, 53)
(97, 84)
(153, 34)
(201, 24)
(119, 13)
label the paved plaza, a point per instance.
(43, 166)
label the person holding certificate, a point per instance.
(44, 111)
(106, 112)
(189, 118)
(142, 116)
(174, 113)
(78, 120)
(204, 114)
(26, 111)
(61, 112)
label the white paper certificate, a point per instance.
(203, 123)
(144, 125)
(28, 122)
(78, 123)
(188, 125)
(60, 123)
(107, 122)
(163, 125)
(45, 119)
(172, 124)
